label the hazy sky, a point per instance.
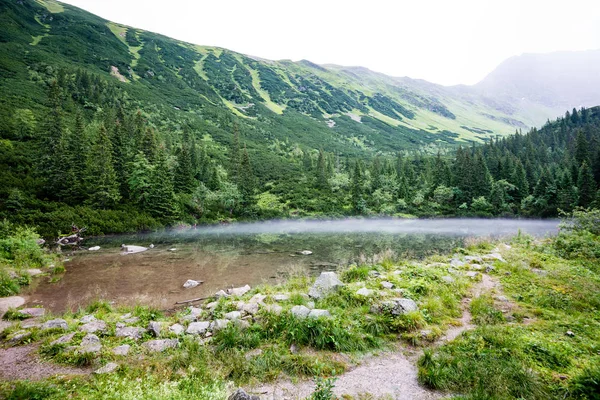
(445, 41)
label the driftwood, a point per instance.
(74, 239)
(193, 300)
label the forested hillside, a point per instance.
(119, 129)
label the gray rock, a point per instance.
(211, 306)
(119, 325)
(30, 324)
(219, 324)
(502, 298)
(94, 326)
(326, 283)
(476, 267)
(489, 268)
(197, 328)
(220, 294)
(190, 283)
(374, 274)
(448, 279)
(455, 262)
(387, 285)
(34, 272)
(177, 329)
(240, 291)
(258, 298)
(316, 313)
(471, 259)
(281, 297)
(471, 274)
(94, 248)
(132, 320)
(233, 315)
(33, 312)
(310, 304)
(7, 303)
(364, 292)
(300, 311)
(86, 319)
(125, 316)
(18, 337)
(107, 369)
(494, 256)
(130, 332)
(241, 323)
(160, 344)
(121, 350)
(55, 324)
(241, 395)
(90, 344)
(397, 306)
(305, 252)
(273, 309)
(64, 339)
(250, 308)
(154, 328)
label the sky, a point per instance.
(445, 41)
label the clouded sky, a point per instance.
(444, 41)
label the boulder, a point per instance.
(219, 324)
(233, 315)
(364, 292)
(190, 283)
(34, 272)
(250, 308)
(107, 369)
(316, 313)
(240, 291)
(326, 283)
(300, 311)
(56, 324)
(397, 306)
(87, 319)
(177, 329)
(90, 344)
(94, 326)
(33, 312)
(154, 328)
(130, 332)
(63, 339)
(387, 285)
(132, 320)
(157, 345)
(241, 395)
(281, 297)
(455, 262)
(7, 303)
(258, 298)
(121, 350)
(198, 328)
(221, 293)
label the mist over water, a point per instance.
(253, 253)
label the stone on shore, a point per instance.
(316, 313)
(177, 329)
(121, 350)
(158, 345)
(130, 332)
(90, 344)
(397, 306)
(94, 326)
(300, 311)
(154, 328)
(325, 284)
(56, 324)
(190, 283)
(198, 328)
(240, 291)
(107, 369)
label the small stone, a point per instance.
(30, 324)
(471, 274)
(318, 313)
(310, 304)
(471, 259)
(240, 291)
(177, 329)
(90, 344)
(387, 285)
(241, 323)
(258, 298)
(233, 315)
(34, 272)
(305, 252)
(63, 339)
(455, 262)
(87, 319)
(489, 268)
(33, 312)
(502, 298)
(374, 274)
(95, 248)
(326, 283)
(250, 308)
(130, 332)
(570, 333)
(154, 328)
(121, 350)
(56, 324)
(125, 316)
(119, 325)
(281, 297)
(293, 348)
(198, 328)
(160, 344)
(93, 326)
(190, 283)
(476, 267)
(448, 279)
(300, 311)
(18, 337)
(494, 256)
(364, 292)
(273, 309)
(219, 324)
(132, 320)
(220, 294)
(395, 307)
(107, 369)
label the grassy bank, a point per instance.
(537, 333)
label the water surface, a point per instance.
(253, 253)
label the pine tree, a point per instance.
(140, 180)
(376, 172)
(161, 197)
(101, 178)
(149, 145)
(184, 173)
(519, 179)
(582, 153)
(246, 178)
(586, 186)
(322, 182)
(235, 157)
(358, 202)
(567, 193)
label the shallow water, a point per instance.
(254, 253)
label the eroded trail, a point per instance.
(389, 374)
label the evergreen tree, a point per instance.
(235, 159)
(140, 180)
(246, 178)
(161, 197)
(358, 201)
(581, 149)
(184, 174)
(101, 178)
(567, 193)
(519, 179)
(586, 186)
(322, 181)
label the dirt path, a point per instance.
(388, 375)
(23, 362)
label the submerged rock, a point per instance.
(326, 283)
(190, 283)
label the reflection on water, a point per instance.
(239, 254)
